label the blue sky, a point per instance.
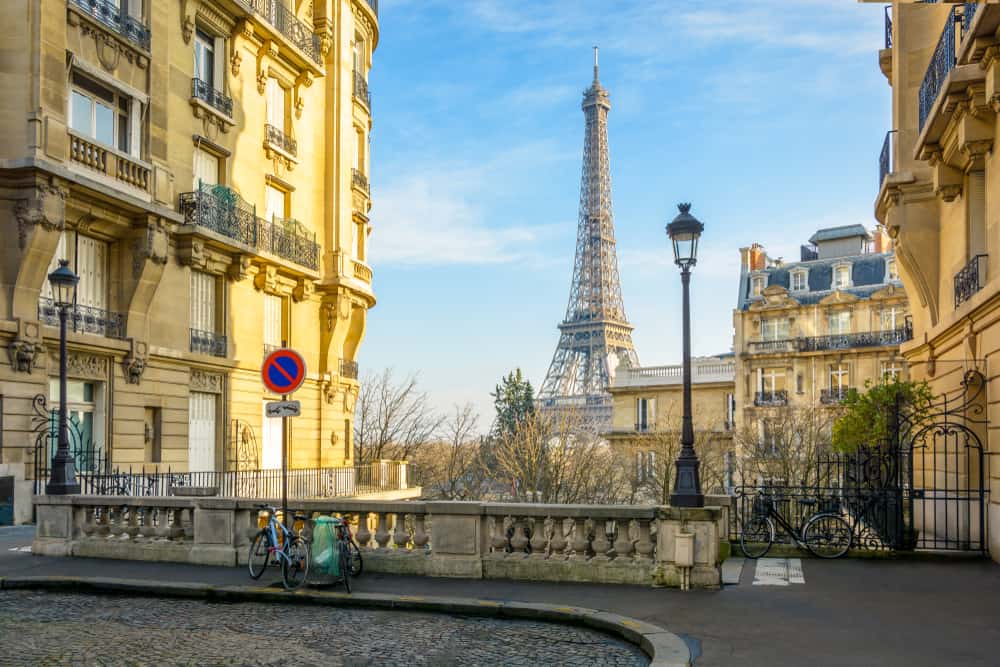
(767, 115)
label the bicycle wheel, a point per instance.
(295, 565)
(757, 536)
(357, 563)
(260, 554)
(347, 566)
(827, 536)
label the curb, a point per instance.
(664, 648)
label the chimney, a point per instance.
(757, 257)
(881, 242)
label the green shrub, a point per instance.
(869, 416)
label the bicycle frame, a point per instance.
(280, 553)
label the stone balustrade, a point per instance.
(588, 543)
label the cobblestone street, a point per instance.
(58, 629)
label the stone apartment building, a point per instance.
(938, 176)
(203, 165)
(807, 331)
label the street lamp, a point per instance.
(62, 478)
(684, 232)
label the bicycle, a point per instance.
(824, 534)
(288, 548)
(355, 561)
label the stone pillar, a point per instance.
(458, 539)
(216, 532)
(704, 523)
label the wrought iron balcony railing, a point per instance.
(945, 56)
(109, 14)
(770, 399)
(888, 26)
(361, 89)
(207, 342)
(860, 339)
(214, 98)
(223, 211)
(84, 319)
(970, 279)
(277, 137)
(885, 157)
(833, 395)
(297, 32)
(349, 369)
(360, 181)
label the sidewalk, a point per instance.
(862, 612)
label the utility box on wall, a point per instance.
(6, 501)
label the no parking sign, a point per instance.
(283, 371)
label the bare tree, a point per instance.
(786, 445)
(393, 419)
(451, 467)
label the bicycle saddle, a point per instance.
(807, 501)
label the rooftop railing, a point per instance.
(109, 14)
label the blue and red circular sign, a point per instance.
(283, 371)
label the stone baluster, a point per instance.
(600, 543)
(540, 529)
(90, 518)
(498, 538)
(519, 538)
(132, 530)
(162, 530)
(644, 543)
(147, 530)
(364, 535)
(623, 542)
(400, 535)
(187, 514)
(558, 543)
(420, 536)
(175, 530)
(116, 523)
(580, 540)
(382, 531)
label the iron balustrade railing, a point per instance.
(968, 13)
(207, 342)
(110, 14)
(359, 180)
(221, 210)
(349, 369)
(833, 395)
(860, 339)
(771, 346)
(888, 26)
(84, 319)
(361, 89)
(211, 96)
(775, 398)
(885, 157)
(277, 137)
(296, 31)
(970, 279)
(944, 58)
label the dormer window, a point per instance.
(800, 280)
(891, 272)
(841, 276)
(757, 285)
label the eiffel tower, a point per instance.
(595, 337)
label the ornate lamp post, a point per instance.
(62, 479)
(684, 232)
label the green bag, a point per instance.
(325, 554)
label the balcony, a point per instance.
(885, 157)
(772, 346)
(361, 90)
(861, 339)
(945, 57)
(225, 212)
(833, 395)
(888, 26)
(704, 370)
(374, 5)
(349, 369)
(362, 271)
(206, 342)
(645, 427)
(107, 13)
(276, 138)
(771, 399)
(360, 181)
(83, 319)
(970, 279)
(109, 162)
(286, 23)
(200, 90)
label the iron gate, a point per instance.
(926, 488)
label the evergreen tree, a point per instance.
(514, 400)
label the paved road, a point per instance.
(860, 612)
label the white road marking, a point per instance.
(23, 550)
(778, 572)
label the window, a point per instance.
(892, 370)
(841, 276)
(644, 412)
(799, 281)
(275, 203)
(359, 150)
(85, 407)
(799, 384)
(104, 115)
(839, 378)
(204, 58)
(359, 55)
(770, 436)
(203, 287)
(152, 429)
(730, 412)
(273, 322)
(890, 270)
(757, 285)
(206, 168)
(976, 214)
(892, 318)
(645, 466)
(88, 257)
(771, 380)
(359, 241)
(775, 328)
(201, 432)
(840, 322)
(277, 101)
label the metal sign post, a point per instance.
(282, 372)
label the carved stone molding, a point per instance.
(303, 290)
(23, 355)
(152, 245)
(80, 365)
(206, 382)
(948, 192)
(191, 252)
(235, 60)
(267, 279)
(189, 9)
(304, 80)
(240, 268)
(133, 367)
(47, 209)
(328, 313)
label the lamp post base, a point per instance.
(687, 487)
(62, 481)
